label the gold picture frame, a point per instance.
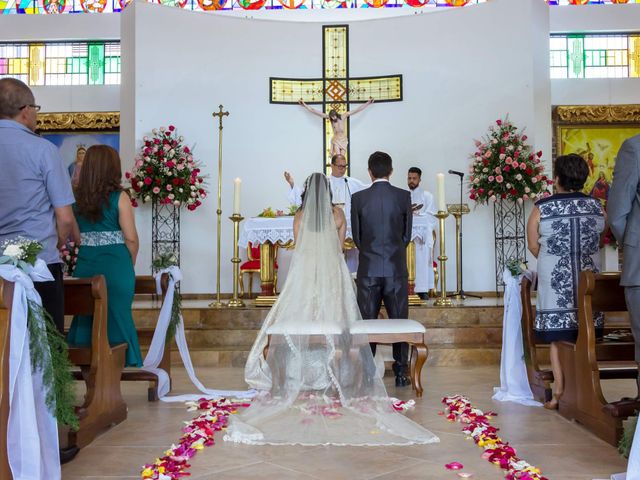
(78, 121)
(595, 132)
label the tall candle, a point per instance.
(236, 196)
(442, 206)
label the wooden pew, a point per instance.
(540, 379)
(146, 285)
(101, 364)
(6, 299)
(589, 361)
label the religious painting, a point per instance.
(596, 133)
(74, 133)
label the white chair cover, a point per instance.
(633, 466)
(514, 384)
(32, 432)
(156, 350)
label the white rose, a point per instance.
(510, 148)
(181, 138)
(502, 156)
(193, 187)
(12, 251)
(518, 177)
(494, 141)
(177, 203)
(485, 170)
(508, 185)
(476, 180)
(181, 190)
(194, 194)
(532, 195)
(171, 196)
(527, 189)
(140, 184)
(147, 198)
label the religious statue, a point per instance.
(339, 140)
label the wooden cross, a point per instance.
(335, 89)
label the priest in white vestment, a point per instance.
(342, 187)
(423, 204)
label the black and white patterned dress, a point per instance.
(570, 228)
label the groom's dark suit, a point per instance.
(381, 222)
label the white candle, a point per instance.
(236, 196)
(442, 206)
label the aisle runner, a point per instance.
(496, 450)
(156, 350)
(200, 432)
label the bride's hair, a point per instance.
(315, 178)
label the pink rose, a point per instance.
(156, 190)
(491, 178)
(499, 179)
(169, 187)
(147, 181)
(498, 171)
(171, 128)
(499, 122)
(523, 166)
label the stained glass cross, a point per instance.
(335, 89)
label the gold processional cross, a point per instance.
(336, 89)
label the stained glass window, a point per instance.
(110, 6)
(595, 56)
(68, 63)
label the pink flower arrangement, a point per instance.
(166, 172)
(69, 255)
(496, 451)
(506, 166)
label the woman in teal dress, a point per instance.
(109, 245)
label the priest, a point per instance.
(422, 204)
(342, 187)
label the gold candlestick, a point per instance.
(442, 300)
(217, 303)
(235, 301)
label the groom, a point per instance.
(381, 221)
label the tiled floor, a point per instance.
(563, 450)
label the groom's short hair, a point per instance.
(380, 164)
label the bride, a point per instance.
(317, 382)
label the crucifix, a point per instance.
(335, 90)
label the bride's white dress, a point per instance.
(318, 383)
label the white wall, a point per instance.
(459, 77)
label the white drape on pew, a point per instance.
(32, 431)
(514, 383)
(156, 350)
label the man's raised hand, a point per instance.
(289, 179)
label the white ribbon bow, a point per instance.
(156, 350)
(514, 383)
(32, 431)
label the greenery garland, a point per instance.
(624, 445)
(47, 343)
(48, 349)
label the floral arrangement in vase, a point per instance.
(165, 172)
(505, 167)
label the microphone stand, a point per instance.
(460, 293)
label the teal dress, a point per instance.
(103, 252)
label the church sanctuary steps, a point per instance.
(469, 334)
(589, 361)
(101, 364)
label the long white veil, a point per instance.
(318, 383)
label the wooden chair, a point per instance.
(6, 299)
(540, 379)
(589, 361)
(101, 364)
(146, 285)
(252, 266)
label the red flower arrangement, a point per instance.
(505, 167)
(69, 255)
(166, 172)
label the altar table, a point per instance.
(269, 232)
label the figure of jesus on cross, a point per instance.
(339, 140)
(335, 91)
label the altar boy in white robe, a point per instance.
(422, 204)
(342, 187)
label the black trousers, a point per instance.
(52, 294)
(394, 291)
